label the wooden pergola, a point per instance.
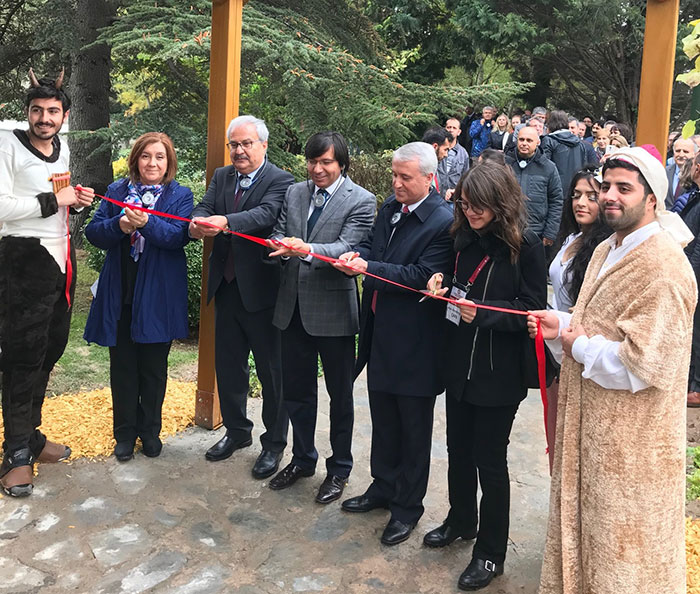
(224, 89)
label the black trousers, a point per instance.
(477, 445)
(402, 429)
(237, 333)
(138, 375)
(300, 352)
(34, 326)
(694, 376)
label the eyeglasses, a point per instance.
(322, 162)
(465, 206)
(246, 144)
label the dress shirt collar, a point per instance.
(333, 187)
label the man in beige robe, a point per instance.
(616, 520)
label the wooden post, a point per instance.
(224, 90)
(657, 73)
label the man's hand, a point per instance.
(548, 320)
(483, 121)
(67, 196)
(136, 218)
(293, 246)
(569, 336)
(125, 225)
(85, 195)
(448, 194)
(351, 264)
(547, 242)
(435, 284)
(467, 310)
(198, 230)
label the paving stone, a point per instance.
(312, 583)
(116, 545)
(13, 521)
(249, 520)
(207, 534)
(98, 510)
(169, 519)
(130, 479)
(331, 524)
(46, 522)
(152, 572)
(15, 577)
(59, 553)
(206, 581)
(69, 581)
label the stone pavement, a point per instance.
(180, 525)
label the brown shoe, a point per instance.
(18, 481)
(693, 399)
(53, 452)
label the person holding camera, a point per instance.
(480, 131)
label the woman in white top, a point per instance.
(582, 229)
(502, 134)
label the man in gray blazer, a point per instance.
(317, 307)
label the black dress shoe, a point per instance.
(444, 535)
(396, 532)
(362, 503)
(266, 464)
(223, 448)
(152, 447)
(331, 488)
(289, 475)
(124, 450)
(479, 574)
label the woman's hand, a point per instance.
(125, 225)
(137, 218)
(435, 284)
(467, 310)
(548, 320)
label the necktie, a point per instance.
(230, 265)
(316, 212)
(404, 211)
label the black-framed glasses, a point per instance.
(246, 144)
(465, 206)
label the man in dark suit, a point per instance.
(245, 197)
(683, 149)
(399, 337)
(318, 308)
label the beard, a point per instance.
(626, 218)
(43, 133)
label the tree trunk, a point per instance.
(91, 158)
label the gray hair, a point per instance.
(491, 107)
(539, 110)
(420, 151)
(260, 127)
(695, 146)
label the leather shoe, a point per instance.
(479, 574)
(396, 532)
(151, 447)
(53, 452)
(444, 535)
(363, 503)
(17, 472)
(223, 448)
(289, 475)
(266, 464)
(693, 399)
(331, 488)
(124, 450)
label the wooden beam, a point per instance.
(657, 73)
(224, 91)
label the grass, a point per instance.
(85, 367)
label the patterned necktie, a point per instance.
(230, 264)
(316, 212)
(239, 193)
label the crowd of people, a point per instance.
(483, 210)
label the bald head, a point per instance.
(683, 149)
(528, 141)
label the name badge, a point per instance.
(452, 314)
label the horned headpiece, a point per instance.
(35, 83)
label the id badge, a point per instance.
(452, 313)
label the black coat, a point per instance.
(482, 359)
(400, 343)
(258, 274)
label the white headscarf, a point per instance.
(655, 174)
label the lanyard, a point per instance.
(474, 275)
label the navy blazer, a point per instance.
(400, 342)
(159, 306)
(259, 207)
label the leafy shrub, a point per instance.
(372, 171)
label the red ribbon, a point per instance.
(539, 338)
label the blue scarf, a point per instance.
(147, 197)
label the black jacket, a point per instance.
(541, 184)
(481, 363)
(497, 141)
(568, 152)
(691, 217)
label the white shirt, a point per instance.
(557, 270)
(598, 355)
(332, 189)
(23, 175)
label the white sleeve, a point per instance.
(601, 363)
(555, 343)
(13, 208)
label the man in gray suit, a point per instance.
(683, 149)
(317, 307)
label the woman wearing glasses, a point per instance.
(497, 263)
(141, 301)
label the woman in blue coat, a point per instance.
(141, 301)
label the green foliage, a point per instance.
(693, 475)
(373, 172)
